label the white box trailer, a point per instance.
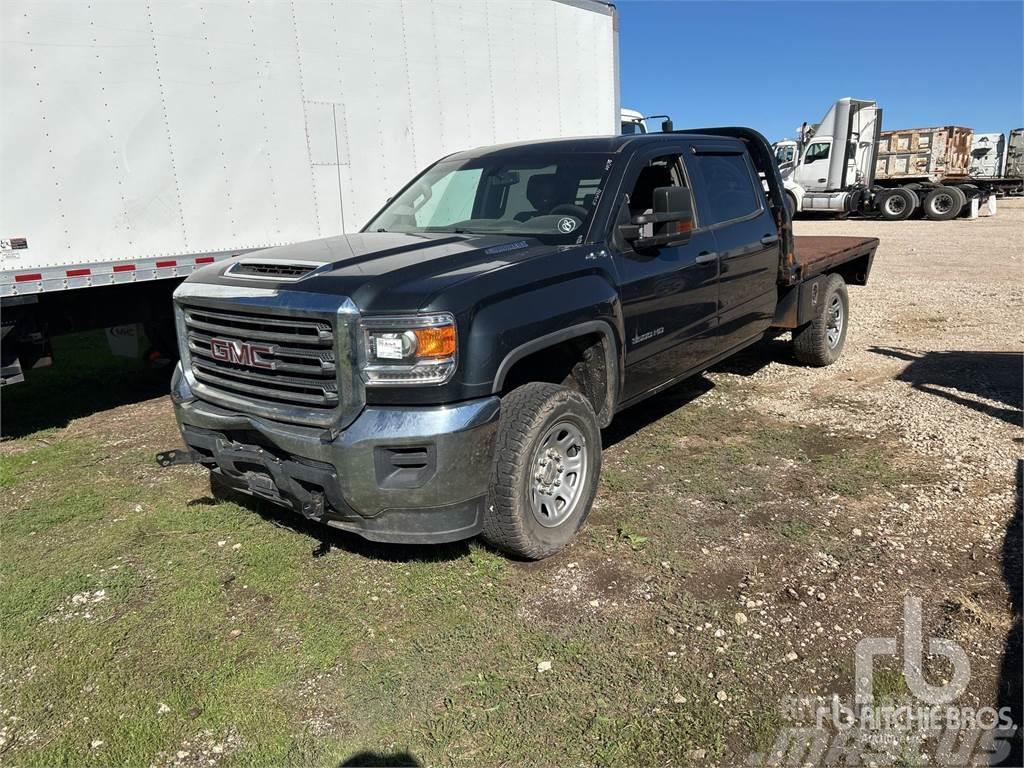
(141, 140)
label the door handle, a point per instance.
(822, 181)
(706, 257)
(769, 239)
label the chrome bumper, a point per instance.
(394, 474)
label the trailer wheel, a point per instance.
(821, 341)
(546, 467)
(943, 203)
(896, 204)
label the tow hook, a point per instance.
(176, 456)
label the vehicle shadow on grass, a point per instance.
(327, 538)
(645, 413)
(369, 759)
(1011, 673)
(966, 378)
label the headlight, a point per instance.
(413, 349)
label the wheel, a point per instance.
(546, 467)
(896, 204)
(960, 195)
(820, 342)
(791, 205)
(943, 203)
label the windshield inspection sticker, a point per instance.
(567, 224)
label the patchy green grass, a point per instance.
(796, 529)
(142, 618)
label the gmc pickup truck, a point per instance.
(446, 371)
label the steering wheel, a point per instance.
(569, 209)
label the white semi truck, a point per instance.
(141, 140)
(846, 164)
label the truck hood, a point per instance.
(379, 271)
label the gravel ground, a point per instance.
(933, 353)
(932, 363)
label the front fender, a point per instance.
(525, 322)
(797, 191)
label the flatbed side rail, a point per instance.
(815, 255)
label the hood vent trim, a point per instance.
(279, 270)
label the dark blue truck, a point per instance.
(446, 372)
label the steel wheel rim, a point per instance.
(943, 203)
(559, 469)
(895, 204)
(834, 325)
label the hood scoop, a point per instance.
(270, 269)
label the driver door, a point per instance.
(670, 293)
(812, 173)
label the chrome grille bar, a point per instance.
(283, 365)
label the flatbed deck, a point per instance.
(815, 254)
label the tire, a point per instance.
(791, 205)
(896, 204)
(961, 195)
(544, 432)
(943, 204)
(970, 191)
(820, 342)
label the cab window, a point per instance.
(817, 151)
(729, 188)
(664, 171)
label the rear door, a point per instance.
(731, 203)
(669, 294)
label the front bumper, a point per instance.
(413, 475)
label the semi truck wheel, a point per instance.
(961, 196)
(820, 342)
(546, 467)
(943, 203)
(896, 204)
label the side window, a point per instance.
(662, 171)
(817, 151)
(729, 188)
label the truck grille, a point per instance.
(282, 366)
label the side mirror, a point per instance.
(673, 209)
(673, 204)
(666, 126)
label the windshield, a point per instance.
(784, 153)
(543, 194)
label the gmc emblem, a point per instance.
(241, 353)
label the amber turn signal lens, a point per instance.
(435, 342)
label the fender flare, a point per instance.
(796, 191)
(611, 359)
